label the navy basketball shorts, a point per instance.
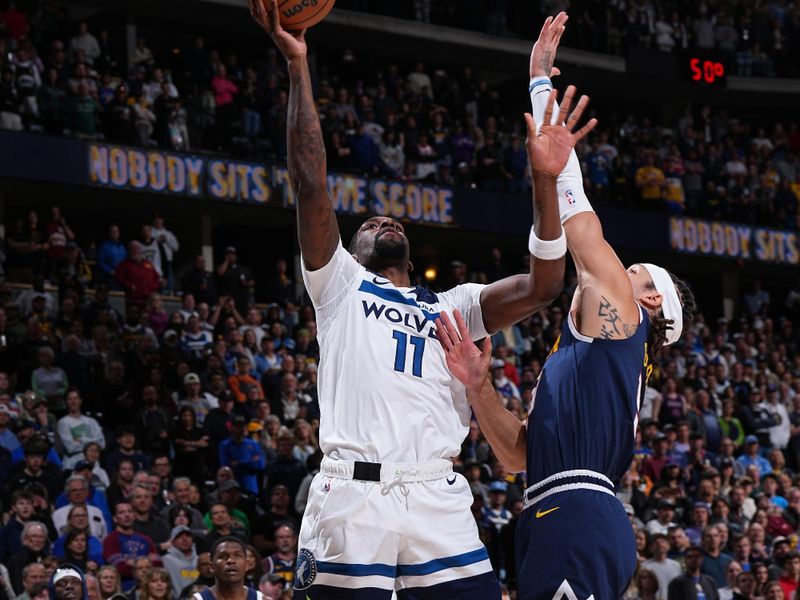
(408, 532)
(575, 545)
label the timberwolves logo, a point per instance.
(306, 571)
(570, 197)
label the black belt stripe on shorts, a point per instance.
(366, 471)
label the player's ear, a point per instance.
(652, 300)
(410, 266)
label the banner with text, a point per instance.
(733, 240)
(230, 180)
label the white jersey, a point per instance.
(385, 392)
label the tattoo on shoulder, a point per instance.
(612, 326)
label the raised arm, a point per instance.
(510, 300)
(317, 228)
(604, 305)
(507, 435)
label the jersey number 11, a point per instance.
(402, 340)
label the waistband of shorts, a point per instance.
(565, 481)
(408, 472)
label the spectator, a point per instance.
(109, 254)
(11, 533)
(693, 583)
(49, 381)
(35, 547)
(243, 455)
(77, 489)
(752, 457)
(664, 568)
(76, 430)
(791, 576)
(34, 576)
(199, 283)
(282, 561)
(715, 562)
(168, 245)
(235, 280)
(181, 559)
(147, 522)
(137, 276)
(85, 42)
(124, 545)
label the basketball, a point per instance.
(301, 14)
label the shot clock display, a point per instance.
(705, 70)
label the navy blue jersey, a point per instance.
(586, 403)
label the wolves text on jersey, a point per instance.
(418, 322)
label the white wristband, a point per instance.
(547, 249)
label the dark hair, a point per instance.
(657, 335)
(71, 535)
(226, 540)
(22, 494)
(175, 510)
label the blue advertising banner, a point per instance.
(734, 241)
(155, 171)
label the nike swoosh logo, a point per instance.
(452, 482)
(544, 513)
(380, 280)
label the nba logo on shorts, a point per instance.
(570, 197)
(306, 571)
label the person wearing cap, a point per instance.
(271, 585)
(752, 456)
(664, 568)
(700, 518)
(68, 583)
(234, 280)
(194, 397)
(180, 559)
(75, 430)
(496, 514)
(229, 493)
(245, 456)
(665, 512)
(504, 386)
(781, 547)
(40, 468)
(652, 465)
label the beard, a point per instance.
(389, 248)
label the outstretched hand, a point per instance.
(468, 363)
(550, 147)
(292, 44)
(543, 54)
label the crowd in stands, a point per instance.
(130, 440)
(753, 37)
(420, 124)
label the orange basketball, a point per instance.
(301, 14)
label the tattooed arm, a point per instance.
(318, 230)
(603, 306)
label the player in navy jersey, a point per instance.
(386, 513)
(574, 539)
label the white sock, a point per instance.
(571, 196)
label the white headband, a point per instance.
(65, 572)
(671, 303)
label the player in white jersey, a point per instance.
(386, 512)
